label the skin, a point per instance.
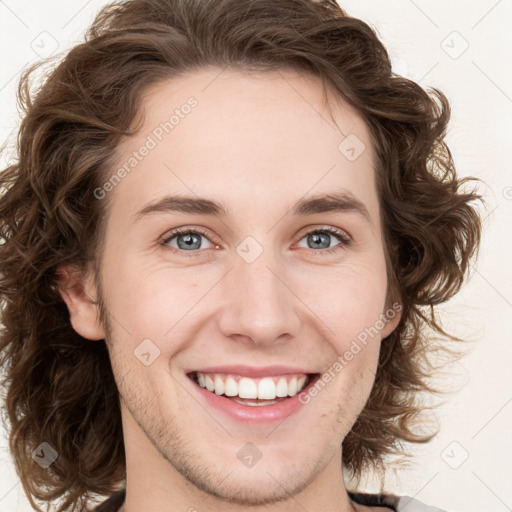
(257, 142)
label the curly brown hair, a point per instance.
(59, 387)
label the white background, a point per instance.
(420, 38)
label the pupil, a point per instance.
(316, 237)
(189, 241)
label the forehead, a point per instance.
(245, 137)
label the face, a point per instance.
(280, 283)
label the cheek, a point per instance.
(351, 307)
(150, 302)
(350, 300)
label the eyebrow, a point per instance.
(323, 203)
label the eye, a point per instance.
(322, 237)
(189, 240)
(186, 239)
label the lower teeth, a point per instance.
(256, 402)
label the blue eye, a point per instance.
(189, 240)
(323, 236)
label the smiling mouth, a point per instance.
(253, 392)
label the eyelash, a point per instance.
(342, 235)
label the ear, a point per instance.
(393, 320)
(78, 292)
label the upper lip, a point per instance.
(253, 371)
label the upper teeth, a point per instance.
(266, 388)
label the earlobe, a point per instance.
(78, 292)
(393, 317)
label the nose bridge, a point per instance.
(258, 304)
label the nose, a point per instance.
(259, 305)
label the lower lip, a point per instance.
(254, 414)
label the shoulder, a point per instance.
(408, 504)
(396, 503)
